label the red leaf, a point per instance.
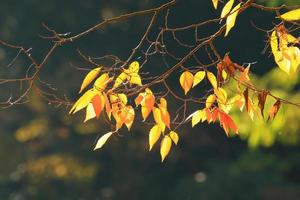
(227, 123)
(98, 104)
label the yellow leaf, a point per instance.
(134, 67)
(215, 3)
(102, 140)
(165, 116)
(174, 136)
(101, 82)
(134, 78)
(186, 81)
(90, 112)
(198, 116)
(210, 100)
(291, 15)
(199, 76)
(165, 147)
(83, 101)
(221, 95)
(154, 135)
(212, 79)
(89, 78)
(120, 79)
(227, 8)
(230, 21)
(158, 119)
(129, 117)
(224, 75)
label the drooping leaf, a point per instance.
(98, 102)
(199, 76)
(227, 123)
(89, 78)
(165, 147)
(174, 136)
(165, 116)
(158, 120)
(154, 135)
(102, 140)
(215, 3)
(186, 81)
(262, 96)
(146, 100)
(226, 9)
(130, 114)
(292, 15)
(212, 79)
(230, 21)
(274, 110)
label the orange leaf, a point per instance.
(98, 102)
(274, 110)
(227, 123)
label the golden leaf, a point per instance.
(230, 21)
(154, 135)
(101, 82)
(227, 8)
(198, 116)
(215, 3)
(212, 79)
(120, 79)
(158, 119)
(165, 147)
(83, 101)
(186, 81)
(89, 78)
(199, 76)
(291, 15)
(102, 140)
(210, 100)
(174, 136)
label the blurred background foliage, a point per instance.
(47, 154)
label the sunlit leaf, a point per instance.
(291, 15)
(158, 120)
(212, 79)
(120, 79)
(174, 136)
(227, 123)
(198, 116)
(90, 112)
(199, 76)
(165, 116)
(102, 140)
(226, 9)
(165, 147)
(186, 81)
(98, 102)
(89, 78)
(210, 100)
(130, 114)
(154, 135)
(215, 3)
(230, 21)
(83, 101)
(101, 82)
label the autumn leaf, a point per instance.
(186, 81)
(230, 21)
(199, 76)
(158, 120)
(130, 114)
(165, 116)
(90, 112)
(226, 9)
(215, 3)
(120, 79)
(154, 135)
(227, 123)
(102, 140)
(165, 147)
(174, 136)
(98, 102)
(146, 100)
(262, 96)
(198, 116)
(274, 110)
(291, 15)
(101, 82)
(83, 101)
(89, 78)
(212, 79)
(131, 75)
(210, 100)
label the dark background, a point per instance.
(47, 154)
